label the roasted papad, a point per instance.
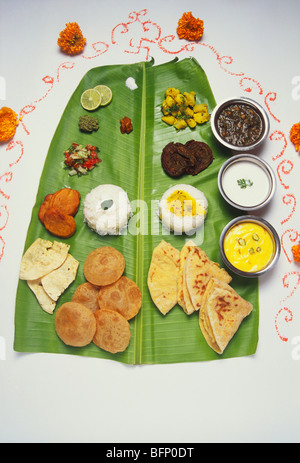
(222, 313)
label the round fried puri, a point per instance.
(87, 294)
(104, 266)
(123, 296)
(112, 332)
(75, 324)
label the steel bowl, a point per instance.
(256, 107)
(270, 229)
(237, 201)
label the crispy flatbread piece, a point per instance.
(184, 299)
(199, 269)
(222, 313)
(41, 258)
(56, 282)
(45, 301)
(163, 277)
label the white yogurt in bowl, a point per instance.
(246, 182)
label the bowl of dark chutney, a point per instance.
(240, 124)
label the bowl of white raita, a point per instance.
(246, 182)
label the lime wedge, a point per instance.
(90, 99)
(106, 94)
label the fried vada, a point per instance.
(66, 200)
(58, 223)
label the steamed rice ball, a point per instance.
(107, 209)
(183, 209)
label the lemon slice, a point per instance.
(90, 99)
(106, 94)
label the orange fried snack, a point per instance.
(58, 223)
(57, 211)
(44, 207)
(66, 200)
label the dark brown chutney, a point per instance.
(240, 125)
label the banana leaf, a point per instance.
(132, 161)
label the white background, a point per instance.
(52, 398)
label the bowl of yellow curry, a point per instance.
(249, 246)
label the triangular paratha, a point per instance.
(184, 299)
(222, 313)
(199, 270)
(163, 277)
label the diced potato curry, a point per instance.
(180, 109)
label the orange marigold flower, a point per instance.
(296, 252)
(295, 135)
(190, 28)
(71, 40)
(8, 124)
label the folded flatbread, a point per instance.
(222, 313)
(184, 299)
(199, 269)
(163, 276)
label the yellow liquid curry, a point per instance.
(249, 247)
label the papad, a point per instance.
(41, 258)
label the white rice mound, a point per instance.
(107, 209)
(185, 224)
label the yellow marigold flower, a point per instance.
(296, 252)
(295, 135)
(8, 124)
(71, 40)
(190, 28)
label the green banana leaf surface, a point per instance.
(133, 162)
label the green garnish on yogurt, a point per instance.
(243, 183)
